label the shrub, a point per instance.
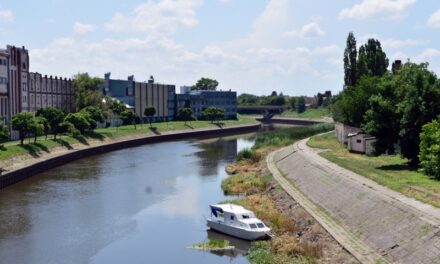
(430, 149)
(248, 154)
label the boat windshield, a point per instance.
(260, 225)
(253, 226)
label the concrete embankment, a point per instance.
(293, 121)
(397, 228)
(43, 164)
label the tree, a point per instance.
(185, 114)
(292, 103)
(274, 93)
(149, 112)
(213, 113)
(350, 61)
(79, 121)
(4, 133)
(301, 104)
(23, 122)
(117, 107)
(95, 113)
(372, 61)
(54, 117)
(248, 99)
(320, 99)
(38, 127)
(418, 94)
(205, 84)
(430, 149)
(129, 118)
(67, 127)
(87, 91)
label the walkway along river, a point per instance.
(136, 205)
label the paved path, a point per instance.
(374, 223)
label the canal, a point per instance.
(139, 205)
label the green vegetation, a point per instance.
(205, 84)
(149, 112)
(318, 113)
(430, 149)
(87, 91)
(245, 183)
(13, 148)
(213, 245)
(391, 171)
(248, 154)
(272, 99)
(287, 136)
(185, 114)
(262, 253)
(213, 114)
(392, 105)
(300, 105)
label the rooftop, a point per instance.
(231, 208)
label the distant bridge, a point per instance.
(268, 111)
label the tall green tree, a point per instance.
(350, 61)
(129, 118)
(149, 112)
(38, 127)
(79, 120)
(292, 103)
(301, 104)
(94, 115)
(54, 117)
(23, 122)
(372, 60)
(185, 114)
(87, 91)
(418, 93)
(205, 84)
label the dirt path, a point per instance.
(374, 223)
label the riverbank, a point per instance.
(25, 166)
(391, 171)
(299, 238)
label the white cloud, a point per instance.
(6, 15)
(81, 28)
(312, 30)
(393, 43)
(389, 9)
(428, 55)
(157, 17)
(434, 20)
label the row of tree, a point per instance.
(391, 105)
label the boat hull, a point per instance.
(236, 232)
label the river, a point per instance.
(139, 205)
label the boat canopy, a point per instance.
(215, 210)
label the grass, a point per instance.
(213, 245)
(309, 113)
(286, 136)
(245, 183)
(13, 148)
(391, 171)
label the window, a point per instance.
(260, 225)
(245, 217)
(232, 217)
(253, 226)
(359, 141)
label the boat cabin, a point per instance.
(235, 215)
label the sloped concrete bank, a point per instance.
(39, 166)
(397, 228)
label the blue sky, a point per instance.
(253, 46)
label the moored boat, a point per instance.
(237, 221)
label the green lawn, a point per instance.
(13, 148)
(391, 171)
(309, 113)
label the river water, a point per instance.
(137, 205)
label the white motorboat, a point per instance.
(236, 221)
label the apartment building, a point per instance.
(47, 91)
(4, 78)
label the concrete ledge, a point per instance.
(18, 175)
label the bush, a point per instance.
(430, 149)
(248, 154)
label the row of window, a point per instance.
(3, 80)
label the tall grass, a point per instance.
(286, 136)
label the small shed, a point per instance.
(361, 143)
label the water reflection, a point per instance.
(139, 205)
